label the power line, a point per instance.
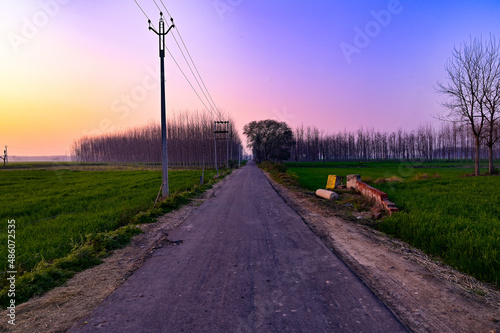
(213, 108)
(141, 9)
(201, 78)
(165, 8)
(175, 61)
(211, 103)
(194, 64)
(157, 6)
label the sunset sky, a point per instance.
(73, 68)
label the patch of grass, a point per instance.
(280, 173)
(315, 177)
(390, 179)
(368, 180)
(46, 276)
(447, 215)
(420, 176)
(457, 219)
(58, 211)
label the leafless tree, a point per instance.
(465, 93)
(449, 142)
(491, 90)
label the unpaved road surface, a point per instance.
(247, 263)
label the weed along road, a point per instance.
(247, 263)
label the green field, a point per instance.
(56, 210)
(442, 212)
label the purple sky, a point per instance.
(72, 68)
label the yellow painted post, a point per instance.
(332, 182)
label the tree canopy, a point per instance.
(270, 140)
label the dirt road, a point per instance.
(247, 263)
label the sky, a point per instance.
(74, 68)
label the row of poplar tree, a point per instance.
(190, 137)
(449, 142)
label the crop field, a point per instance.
(442, 212)
(57, 209)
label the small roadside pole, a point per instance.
(161, 34)
(5, 157)
(215, 145)
(227, 150)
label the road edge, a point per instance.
(415, 322)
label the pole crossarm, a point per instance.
(162, 23)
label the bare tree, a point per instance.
(491, 90)
(464, 92)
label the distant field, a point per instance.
(56, 208)
(370, 171)
(454, 217)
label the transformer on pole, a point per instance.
(221, 127)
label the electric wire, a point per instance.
(157, 6)
(201, 78)
(211, 103)
(194, 64)
(141, 9)
(213, 113)
(165, 8)
(175, 61)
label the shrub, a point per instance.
(421, 176)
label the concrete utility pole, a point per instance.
(215, 144)
(161, 34)
(221, 131)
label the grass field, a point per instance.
(56, 210)
(441, 212)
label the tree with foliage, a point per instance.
(269, 140)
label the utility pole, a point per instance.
(161, 34)
(226, 137)
(5, 157)
(231, 143)
(227, 151)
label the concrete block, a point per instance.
(379, 197)
(352, 181)
(328, 195)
